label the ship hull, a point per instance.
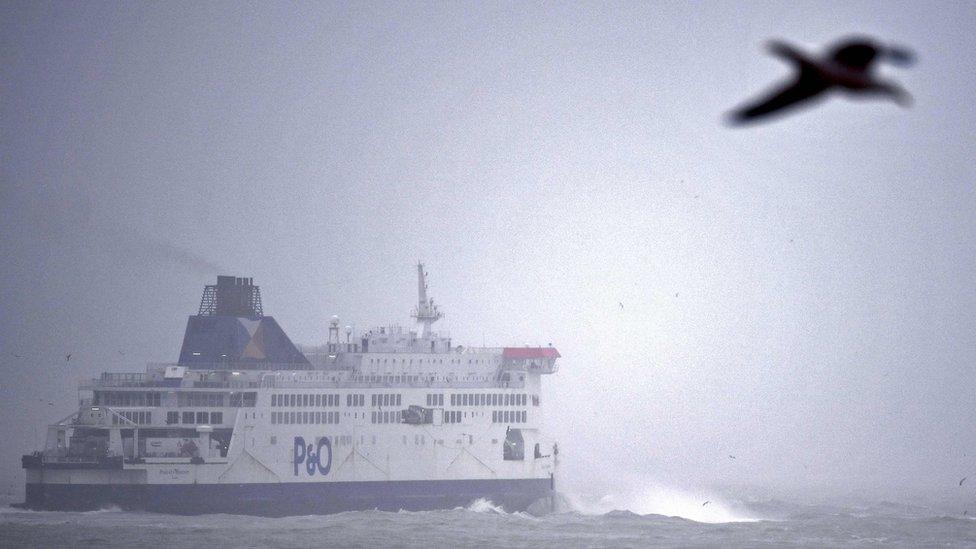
(288, 499)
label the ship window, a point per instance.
(373, 400)
(452, 400)
(372, 417)
(494, 416)
(216, 417)
(202, 417)
(318, 400)
(274, 400)
(292, 418)
(274, 418)
(348, 400)
(291, 400)
(398, 400)
(187, 417)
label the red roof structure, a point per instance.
(530, 352)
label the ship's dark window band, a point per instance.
(304, 418)
(139, 418)
(452, 416)
(385, 399)
(126, 398)
(187, 399)
(489, 399)
(243, 400)
(309, 400)
(198, 418)
(385, 417)
(509, 416)
(435, 399)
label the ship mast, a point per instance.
(426, 312)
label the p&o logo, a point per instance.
(312, 456)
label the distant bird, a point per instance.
(621, 305)
(121, 352)
(706, 503)
(67, 357)
(17, 356)
(962, 480)
(731, 456)
(846, 67)
(675, 294)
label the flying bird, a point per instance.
(847, 67)
(67, 357)
(731, 456)
(621, 305)
(962, 480)
(706, 503)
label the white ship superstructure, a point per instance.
(247, 423)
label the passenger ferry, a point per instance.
(247, 423)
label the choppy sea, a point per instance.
(483, 524)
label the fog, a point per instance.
(798, 294)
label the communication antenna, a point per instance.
(426, 312)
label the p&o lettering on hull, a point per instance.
(311, 456)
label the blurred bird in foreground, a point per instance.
(848, 67)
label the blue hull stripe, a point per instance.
(286, 499)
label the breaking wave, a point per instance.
(482, 505)
(662, 501)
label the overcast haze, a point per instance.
(798, 294)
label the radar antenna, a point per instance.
(426, 312)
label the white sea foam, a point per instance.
(660, 500)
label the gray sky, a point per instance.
(798, 294)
